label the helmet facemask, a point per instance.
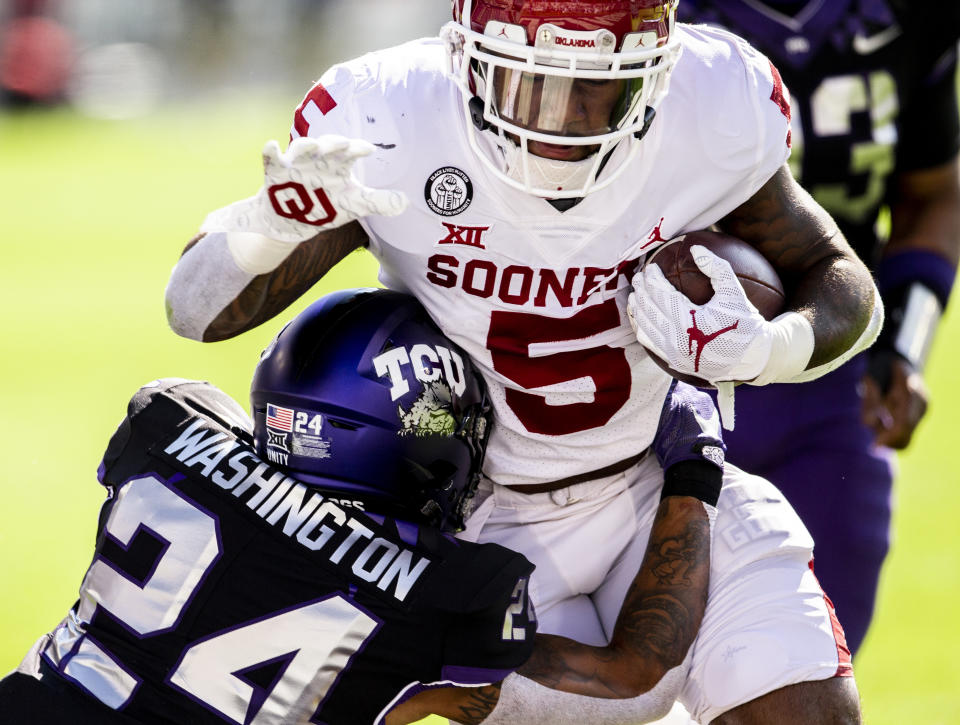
(446, 504)
(555, 109)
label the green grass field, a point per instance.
(93, 215)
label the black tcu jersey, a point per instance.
(222, 590)
(872, 91)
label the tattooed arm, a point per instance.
(210, 298)
(825, 280)
(658, 622)
(465, 705)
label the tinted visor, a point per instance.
(563, 105)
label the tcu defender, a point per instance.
(580, 136)
(303, 571)
(875, 122)
(224, 589)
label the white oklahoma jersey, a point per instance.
(536, 296)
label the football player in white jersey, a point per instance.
(513, 174)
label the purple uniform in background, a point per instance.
(872, 92)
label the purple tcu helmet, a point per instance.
(362, 394)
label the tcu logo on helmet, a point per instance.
(428, 363)
(294, 201)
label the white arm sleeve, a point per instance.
(205, 280)
(524, 701)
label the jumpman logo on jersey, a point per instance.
(655, 235)
(698, 336)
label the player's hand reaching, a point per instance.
(726, 339)
(308, 188)
(894, 399)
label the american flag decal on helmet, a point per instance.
(279, 418)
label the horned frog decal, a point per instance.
(430, 413)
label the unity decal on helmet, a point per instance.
(430, 413)
(294, 431)
(448, 191)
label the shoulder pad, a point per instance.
(379, 97)
(743, 110)
(156, 410)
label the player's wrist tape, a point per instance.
(867, 337)
(913, 313)
(255, 253)
(700, 479)
(523, 700)
(934, 271)
(915, 286)
(791, 348)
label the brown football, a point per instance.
(757, 276)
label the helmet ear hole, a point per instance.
(444, 473)
(343, 424)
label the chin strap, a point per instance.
(476, 113)
(648, 115)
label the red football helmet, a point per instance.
(565, 87)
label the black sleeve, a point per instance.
(930, 129)
(491, 623)
(492, 642)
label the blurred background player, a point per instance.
(575, 161)
(223, 589)
(36, 54)
(875, 130)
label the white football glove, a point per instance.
(726, 339)
(306, 189)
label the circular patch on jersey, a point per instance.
(448, 191)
